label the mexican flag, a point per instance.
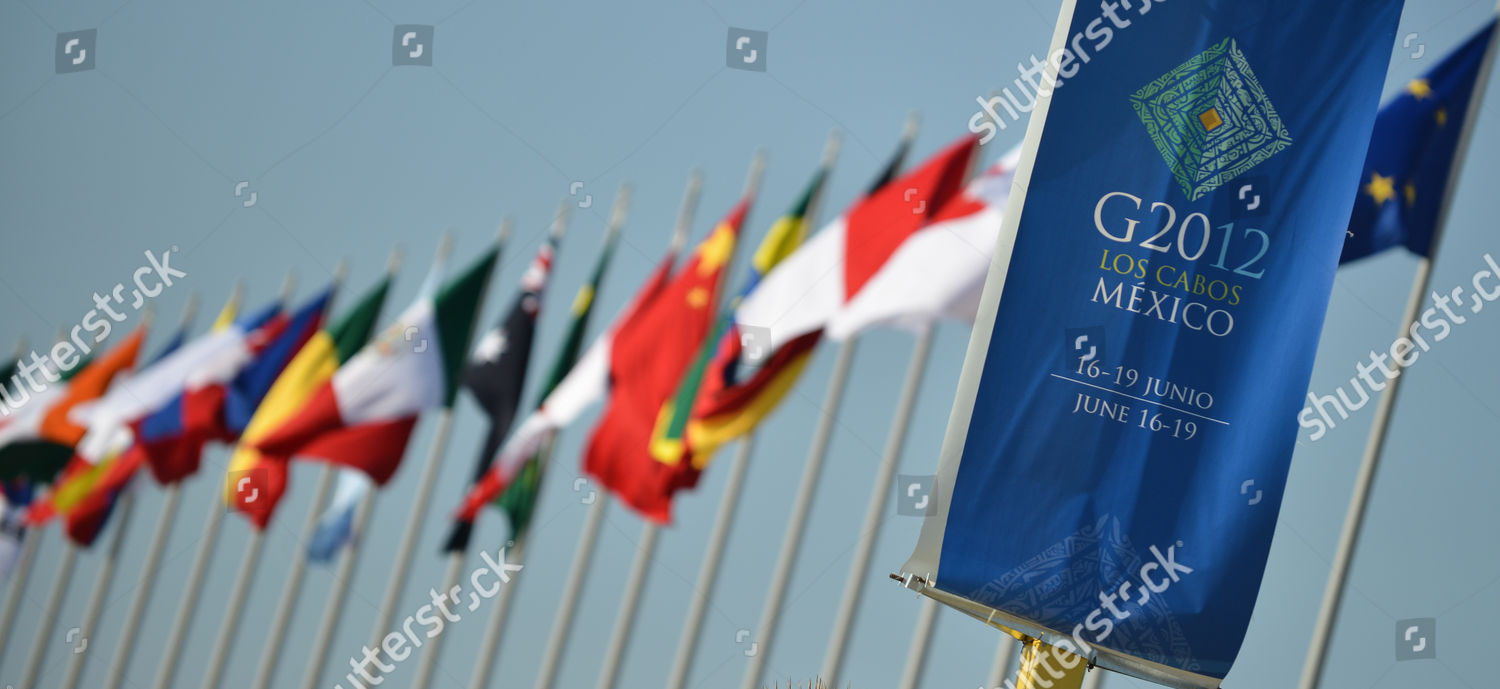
(363, 416)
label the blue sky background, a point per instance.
(349, 156)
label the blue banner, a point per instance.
(1122, 435)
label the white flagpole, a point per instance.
(583, 554)
(206, 548)
(22, 570)
(171, 497)
(333, 609)
(489, 643)
(230, 626)
(615, 652)
(61, 579)
(349, 557)
(1094, 679)
(495, 627)
(269, 657)
(916, 654)
(786, 560)
(781, 575)
(102, 581)
(1005, 656)
(1364, 482)
(20, 576)
(916, 657)
(708, 572)
(428, 660)
(184, 618)
(401, 567)
(880, 496)
(562, 622)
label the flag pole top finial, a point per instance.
(189, 309)
(148, 316)
(832, 146)
(288, 285)
(757, 171)
(689, 206)
(560, 221)
(393, 264)
(21, 346)
(445, 245)
(909, 130)
(503, 235)
(617, 214)
(340, 271)
(237, 292)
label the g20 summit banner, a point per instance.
(1121, 437)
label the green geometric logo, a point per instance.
(1211, 119)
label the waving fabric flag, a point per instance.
(817, 286)
(114, 421)
(586, 382)
(1405, 180)
(748, 377)
(313, 365)
(670, 438)
(363, 417)
(648, 357)
(78, 477)
(1140, 355)
(215, 399)
(496, 374)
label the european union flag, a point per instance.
(1411, 156)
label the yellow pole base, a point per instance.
(1049, 667)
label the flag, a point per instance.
(648, 356)
(217, 398)
(749, 375)
(718, 359)
(86, 520)
(76, 478)
(363, 416)
(817, 286)
(1406, 177)
(336, 525)
(496, 373)
(565, 399)
(312, 366)
(114, 420)
(1140, 357)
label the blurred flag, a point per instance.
(496, 374)
(213, 403)
(1405, 180)
(313, 365)
(77, 476)
(648, 356)
(114, 421)
(819, 286)
(749, 374)
(670, 439)
(86, 519)
(586, 382)
(363, 416)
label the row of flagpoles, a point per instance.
(281, 385)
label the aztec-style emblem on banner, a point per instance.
(1210, 119)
